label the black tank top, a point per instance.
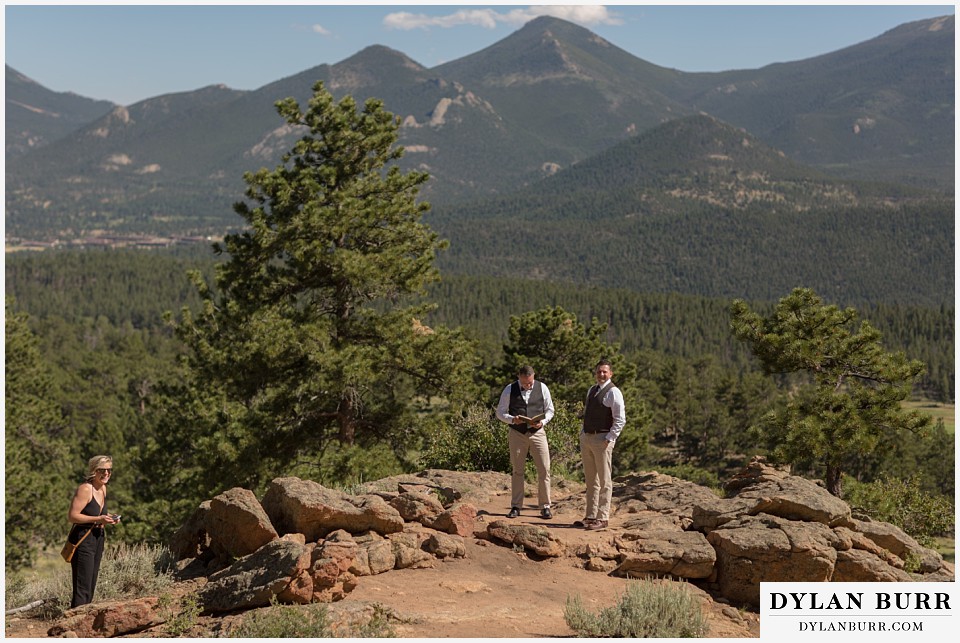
(93, 508)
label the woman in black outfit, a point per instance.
(88, 512)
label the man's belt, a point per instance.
(524, 429)
(597, 431)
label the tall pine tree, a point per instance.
(306, 337)
(850, 389)
(38, 488)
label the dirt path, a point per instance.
(496, 592)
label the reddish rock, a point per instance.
(460, 519)
(306, 507)
(237, 524)
(110, 618)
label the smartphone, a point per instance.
(116, 517)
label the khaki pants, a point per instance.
(597, 455)
(536, 445)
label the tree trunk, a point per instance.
(346, 416)
(834, 480)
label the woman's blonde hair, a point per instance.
(96, 462)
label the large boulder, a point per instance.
(445, 546)
(237, 524)
(477, 487)
(417, 507)
(108, 619)
(374, 555)
(409, 551)
(769, 490)
(897, 542)
(652, 491)
(860, 566)
(460, 519)
(253, 580)
(682, 554)
(191, 539)
(304, 506)
(755, 549)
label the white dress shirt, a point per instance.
(503, 407)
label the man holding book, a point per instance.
(526, 406)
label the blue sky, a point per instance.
(126, 53)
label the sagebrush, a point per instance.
(647, 609)
(126, 571)
(308, 621)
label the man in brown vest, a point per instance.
(526, 405)
(603, 419)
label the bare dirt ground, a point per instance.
(495, 591)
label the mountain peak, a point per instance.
(374, 65)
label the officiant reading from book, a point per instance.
(527, 407)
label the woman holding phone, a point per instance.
(88, 513)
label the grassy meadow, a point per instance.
(936, 410)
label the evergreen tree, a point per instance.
(850, 389)
(306, 336)
(562, 350)
(38, 488)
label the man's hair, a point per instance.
(526, 370)
(603, 362)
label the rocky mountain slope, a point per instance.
(434, 553)
(548, 96)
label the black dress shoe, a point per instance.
(514, 512)
(546, 513)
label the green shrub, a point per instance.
(563, 435)
(475, 441)
(647, 609)
(182, 619)
(693, 474)
(903, 503)
(306, 621)
(345, 466)
(478, 441)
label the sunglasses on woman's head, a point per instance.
(102, 471)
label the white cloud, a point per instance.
(586, 15)
(320, 29)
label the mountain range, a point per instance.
(552, 123)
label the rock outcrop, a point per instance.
(771, 527)
(304, 543)
(108, 619)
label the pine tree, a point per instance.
(306, 336)
(562, 350)
(37, 492)
(850, 389)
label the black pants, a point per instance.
(86, 566)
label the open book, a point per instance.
(534, 419)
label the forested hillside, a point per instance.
(135, 288)
(696, 206)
